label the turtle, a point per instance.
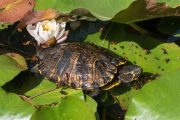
(84, 66)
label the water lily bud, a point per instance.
(46, 30)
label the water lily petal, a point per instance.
(63, 25)
(60, 34)
(54, 24)
(32, 30)
(63, 37)
(43, 34)
(57, 31)
(60, 31)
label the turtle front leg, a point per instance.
(92, 93)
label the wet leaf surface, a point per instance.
(10, 67)
(96, 7)
(158, 100)
(70, 107)
(124, 11)
(13, 107)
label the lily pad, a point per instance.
(158, 100)
(148, 9)
(43, 86)
(124, 94)
(13, 107)
(123, 11)
(171, 3)
(96, 7)
(46, 92)
(19, 59)
(14, 10)
(3, 25)
(10, 67)
(54, 96)
(70, 108)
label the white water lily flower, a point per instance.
(46, 30)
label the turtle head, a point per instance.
(129, 73)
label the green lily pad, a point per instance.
(171, 3)
(124, 11)
(54, 96)
(3, 25)
(18, 58)
(177, 35)
(148, 9)
(47, 97)
(46, 92)
(70, 108)
(158, 100)
(43, 86)
(96, 7)
(13, 107)
(124, 94)
(10, 68)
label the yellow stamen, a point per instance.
(46, 26)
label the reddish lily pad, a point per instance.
(36, 16)
(14, 10)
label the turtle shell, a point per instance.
(78, 65)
